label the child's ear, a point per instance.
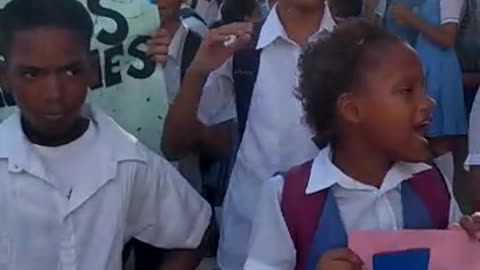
(348, 108)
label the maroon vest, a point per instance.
(302, 212)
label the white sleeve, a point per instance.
(270, 247)
(217, 104)
(473, 158)
(381, 8)
(451, 10)
(165, 211)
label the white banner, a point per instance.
(132, 88)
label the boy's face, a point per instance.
(395, 110)
(169, 9)
(47, 71)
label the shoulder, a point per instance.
(114, 140)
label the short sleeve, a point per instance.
(217, 104)
(381, 8)
(451, 10)
(473, 158)
(270, 247)
(165, 211)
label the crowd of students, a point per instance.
(317, 122)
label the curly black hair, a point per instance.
(330, 67)
(27, 14)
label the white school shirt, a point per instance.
(361, 207)
(473, 158)
(450, 10)
(128, 192)
(275, 138)
(209, 10)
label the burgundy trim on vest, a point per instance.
(426, 186)
(294, 201)
(302, 212)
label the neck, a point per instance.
(40, 138)
(171, 26)
(361, 162)
(299, 23)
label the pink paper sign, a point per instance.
(449, 250)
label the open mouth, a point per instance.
(421, 129)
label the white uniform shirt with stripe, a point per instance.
(361, 207)
(275, 138)
(127, 192)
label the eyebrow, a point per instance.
(72, 65)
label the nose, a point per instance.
(53, 89)
(427, 105)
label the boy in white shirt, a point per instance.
(74, 187)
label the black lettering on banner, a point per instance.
(148, 65)
(105, 37)
(113, 77)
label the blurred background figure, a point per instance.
(239, 11)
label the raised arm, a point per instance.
(184, 132)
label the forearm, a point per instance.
(183, 129)
(443, 35)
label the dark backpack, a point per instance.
(190, 48)
(245, 72)
(187, 12)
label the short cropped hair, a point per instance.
(21, 15)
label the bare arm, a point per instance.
(184, 132)
(443, 35)
(187, 259)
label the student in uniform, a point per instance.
(74, 186)
(173, 47)
(252, 80)
(372, 172)
(435, 25)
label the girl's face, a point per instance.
(394, 110)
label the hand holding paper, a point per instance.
(447, 249)
(340, 259)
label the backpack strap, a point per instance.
(245, 71)
(187, 12)
(432, 190)
(190, 48)
(6, 99)
(294, 201)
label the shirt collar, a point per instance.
(325, 174)
(273, 28)
(175, 49)
(117, 145)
